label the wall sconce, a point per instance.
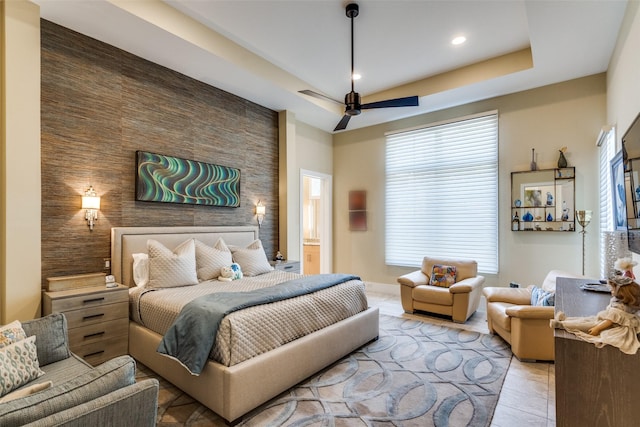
(91, 204)
(261, 211)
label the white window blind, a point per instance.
(607, 234)
(441, 193)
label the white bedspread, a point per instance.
(252, 331)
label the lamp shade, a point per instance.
(261, 209)
(90, 202)
(583, 217)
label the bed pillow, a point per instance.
(18, 365)
(443, 275)
(209, 260)
(168, 269)
(11, 333)
(252, 259)
(141, 269)
(542, 298)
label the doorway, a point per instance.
(315, 222)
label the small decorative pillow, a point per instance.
(209, 260)
(542, 298)
(252, 259)
(141, 269)
(168, 269)
(443, 275)
(18, 365)
(11, 333)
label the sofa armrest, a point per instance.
(517, 296)
(413, 279)
(530, 312)
(132, 406)
(467, 285)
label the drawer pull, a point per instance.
(93, 316)
(97, 334)
(94, 353)
(89, 301)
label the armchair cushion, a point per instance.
(51, 337)
(542, 298)
(443, 275)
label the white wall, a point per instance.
(623, 84)
(566, 114)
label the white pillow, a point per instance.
(252, 259)
(209, 260)
(169, 269)
(141, 269)
(18, 364)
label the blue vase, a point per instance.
(528, 217)
(549, 217)
(638, 192)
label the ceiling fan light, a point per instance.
(356, 76)
(458, 40)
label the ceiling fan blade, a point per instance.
(319, 96)
(343, 123)
(409, 101)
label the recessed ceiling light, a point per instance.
(356, 76)
(459, 40)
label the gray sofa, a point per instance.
(80, 395)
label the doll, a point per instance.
(625, 266)
(617, 325)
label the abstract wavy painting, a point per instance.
(174, 180)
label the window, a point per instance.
(609, 239)
(441, 194)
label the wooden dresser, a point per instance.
(97, 318)
(594, 386)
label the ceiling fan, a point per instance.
(352, 104)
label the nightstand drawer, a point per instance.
(101, 351)
(99, 331)
(62, 304)
(290, 266)
(92, 315)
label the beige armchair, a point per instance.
(525, 327)
(459, 301)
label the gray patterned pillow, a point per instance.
(18, 365)
(51, 337)
(252, 259)
(209, 260)
(168, 268)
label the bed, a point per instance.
(232, 391)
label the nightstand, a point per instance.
(287, 265)
(97, 319)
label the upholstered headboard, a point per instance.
(125, 241)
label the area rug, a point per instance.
(415, 374)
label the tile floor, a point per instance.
(528, 394)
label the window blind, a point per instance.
(441, 193)
(606, 153)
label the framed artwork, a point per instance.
(358, 210)
(618, 196)
(169, 179)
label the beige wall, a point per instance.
(20, 162)
(546, 119)
(301, 147)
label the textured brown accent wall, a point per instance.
(101, 104)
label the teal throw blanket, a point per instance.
(193, 333)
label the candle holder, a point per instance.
(583, 218)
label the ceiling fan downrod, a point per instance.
(352, 99)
